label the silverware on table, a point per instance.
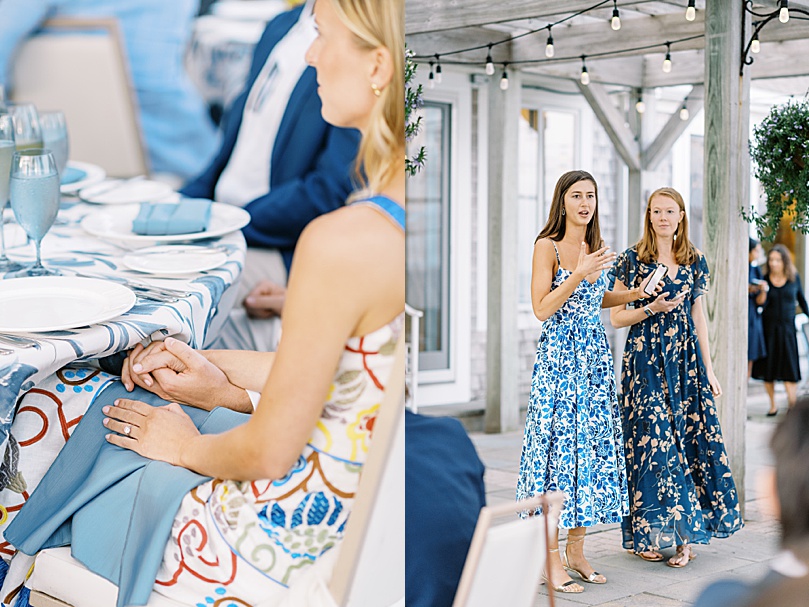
(18, 341)
(95, 190)
(140, 287)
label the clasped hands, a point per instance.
(176, 372)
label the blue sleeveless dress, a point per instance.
(573, 440)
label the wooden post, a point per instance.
(502, 337)
(727, 179)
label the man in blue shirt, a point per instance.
(179, 134)
(444, 494)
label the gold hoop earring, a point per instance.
(375, 89)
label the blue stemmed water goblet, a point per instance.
(34, 192)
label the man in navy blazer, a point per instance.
(310, 163)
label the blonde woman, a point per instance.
(681, 490)
(281, 481)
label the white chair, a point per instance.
(368, 570)
(505, 561)
(79, 66)
(412, 367)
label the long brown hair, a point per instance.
(684, 252)
(786, 259)
(555, 227)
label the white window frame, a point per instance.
(453, 385)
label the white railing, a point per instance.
(412, 366)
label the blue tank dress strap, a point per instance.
(387, 207)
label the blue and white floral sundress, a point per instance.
(573, 439)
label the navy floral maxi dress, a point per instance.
(680, 487)
(572, 436)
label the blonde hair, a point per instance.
(684, 252)
(380, 23)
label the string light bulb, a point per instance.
(783, 14)
(437, 69)
(684, 113)
(755, 45)
(431, 77)
(585, 76)
(667, 60)
(615, 22)
(640, 107)
(549, 45)
(691, 11)
(489, 63)
(504, 78)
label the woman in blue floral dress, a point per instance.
(681, 488)
(573, 431)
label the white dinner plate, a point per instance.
(53, 303)
(115, 223)
(92, 174)
(173, 259)
(127, 191)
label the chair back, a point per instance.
(505, 561)
(79, 66)
(370, 567)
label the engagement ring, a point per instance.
(127, 430)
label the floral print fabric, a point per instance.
(245, 542)
(681, 488)
(572, 438)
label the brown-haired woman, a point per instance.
(573, 432)
(785, 294)
(681, 487)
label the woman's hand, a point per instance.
(594, 262)
(159, 433)
(664, 304)
(639, 290)
(715, 387)
(175, 371)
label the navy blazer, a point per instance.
(311, 163)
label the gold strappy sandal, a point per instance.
(593, 578)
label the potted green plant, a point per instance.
(780, 151)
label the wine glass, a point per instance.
(27, 132)
(6, 152)
(54, 137)
(34, 191)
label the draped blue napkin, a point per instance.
(189, 216)
(72, 175)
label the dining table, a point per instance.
(190, 307)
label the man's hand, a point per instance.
(266, 300)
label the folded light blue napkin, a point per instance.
(189, 216)
(72, 175)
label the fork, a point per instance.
(18, 341)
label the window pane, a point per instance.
(428, 237)
(558, 151)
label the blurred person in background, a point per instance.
(786, 492)
(281, 162)
(784, 295)
(179, 134)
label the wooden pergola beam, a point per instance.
(437, 15)
(672, 130)
(613, 122)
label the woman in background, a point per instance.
(785, 294)
(756, 296)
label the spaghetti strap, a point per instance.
(387, 207)
(555, 250)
